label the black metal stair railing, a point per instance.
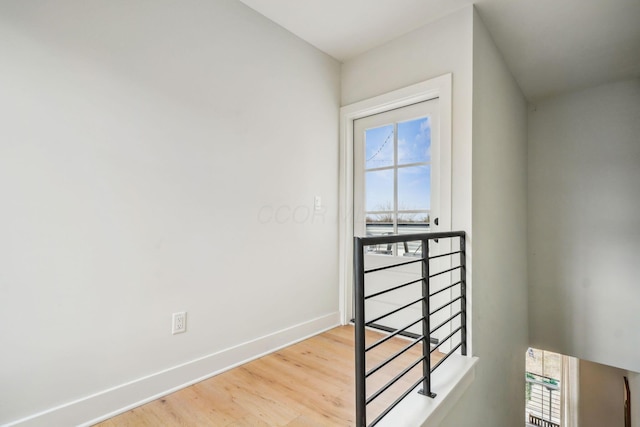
(425, 339)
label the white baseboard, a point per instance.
(108, 403)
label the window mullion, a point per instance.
(395, 185)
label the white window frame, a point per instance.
(439, 87)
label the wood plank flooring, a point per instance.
(309, 384)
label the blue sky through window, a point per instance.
(414, 188)
(379, 193)
(379, 147)
(414, 182)
(414, 141)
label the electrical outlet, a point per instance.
(179, 323)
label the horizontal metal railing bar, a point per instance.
(445, 305)
(402, 334)
(393, 312)
(445, 271)
(393, 334)
(399, 238)
(445, 357)
(377, 294)
(435, 347)
(394, 380)
(392, 358)
(445, 288)
(441, 255)
(444, 323)
(387, 267)
(394, 404)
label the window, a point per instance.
(396, 180)
(543, 388)
(430, 98)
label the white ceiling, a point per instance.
(551, 46)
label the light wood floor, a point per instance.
(307, 384)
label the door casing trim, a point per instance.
(438, 87)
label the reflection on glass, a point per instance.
(378, 144)
(379, 190)
(414, 188)
(410, 223)
(402, 206)
(414, 141)
(380, 224)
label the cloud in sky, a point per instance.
(379, 148)
(414, 182)
(414, 141)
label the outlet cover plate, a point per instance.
(179, 322)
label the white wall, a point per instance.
(601, 395)
(488, 106)
(156, 156)
(439, 48)
(584, 227)
(500, 337)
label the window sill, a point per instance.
(449, 382)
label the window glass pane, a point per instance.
(409, 223)
(379, 190)
(380, 225)
(552, 365)
(544, 363)
(543, 386)
(378, 144)
(414, 141)
(414, 188)
(534, 361)
(414, 222)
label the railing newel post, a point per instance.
(463, 294)
(361, 394)
(426, 324)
